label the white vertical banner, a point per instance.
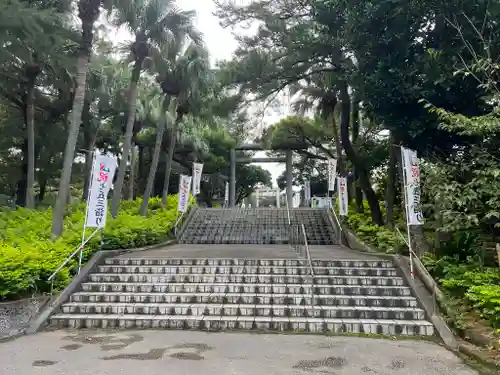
(411, 172)
(197, 169)
(307, 191)
(343, 198)
(103, 172)
(332, 173)
(226, 193)
(184, 188)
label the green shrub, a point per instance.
(381, 238)
(28, 255)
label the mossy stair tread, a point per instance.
(292, 295)
(232, 305)
(131, 269)
(243, 285)
(207, 276)
(247, 318)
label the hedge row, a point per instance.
(478, 287)
(381, 238)
(28, 255)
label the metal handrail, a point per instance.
(179, 219)
(308, 257)
(77, 250)
(308, 254)
(337, 220)
(414, 255)
(177, 223)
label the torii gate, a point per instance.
(259, 147)
(275, 191)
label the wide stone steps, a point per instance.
(374, 290)
(247, 298)
(357, 296)
(256, 226)
(254, 240)
(244, 270)
(341, 312)
(275, 323)
(143, 261)
(244, 279)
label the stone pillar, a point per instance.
(277, 192)
(232, 178)
(257, 198)
(289, 178)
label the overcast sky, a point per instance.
(221, 45)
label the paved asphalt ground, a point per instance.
(198, 353)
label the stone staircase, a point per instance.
(356, 296)
(256, 226)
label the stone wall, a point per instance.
(16, 316)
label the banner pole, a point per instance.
(403, 162)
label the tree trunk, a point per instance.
(358, 193)
(364, 179)
(88, 17)
(30, 127)
(133, 170)
(127, 142)
(390, 189)
(89, 138)
(22, 183)
(140, 170)
(170, 157)
(338, 145)
(154, 162)
(43, 189)
(89, 159)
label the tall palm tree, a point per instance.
(153, 23)
(34, 40)
(321, 94)
(106, 78)
(186, 75)
(162, 114)
(88, 12)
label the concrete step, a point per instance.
(246, 298)
(275, 270)
(341, 312)
(244, 279)
(253, 242)
(297, 324)
(245, 288)
(132, 261)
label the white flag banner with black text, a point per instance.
(226, 193)
(197, 169)
(332, 173)
(103, 172)
(307, 191)
(343, 198)
(184, 187)
(412, 186)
